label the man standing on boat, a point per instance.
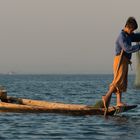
(123, 53)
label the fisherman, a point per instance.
(123, 53)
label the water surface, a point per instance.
(79, 89)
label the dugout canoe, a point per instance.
(37, 106)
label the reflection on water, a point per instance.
(83, 89)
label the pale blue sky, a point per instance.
(61, 36)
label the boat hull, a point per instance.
(37, 106)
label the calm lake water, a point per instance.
(79, 89)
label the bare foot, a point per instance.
(106, 101)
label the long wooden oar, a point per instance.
(119, 64)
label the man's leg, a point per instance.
(107, 98)
(119, 97)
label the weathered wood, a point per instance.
(76, 110)
(9, 107)
(52, 105)
(37, 106)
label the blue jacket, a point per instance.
(124, 41)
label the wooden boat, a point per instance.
(37, 106)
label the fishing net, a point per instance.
(137, 76)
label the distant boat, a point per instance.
(11, 73)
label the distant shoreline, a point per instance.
(53, 74)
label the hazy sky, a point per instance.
(61, 36)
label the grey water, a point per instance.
(78, 89)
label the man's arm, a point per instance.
(128, 48)
(135, 37)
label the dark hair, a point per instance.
(131, 23)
